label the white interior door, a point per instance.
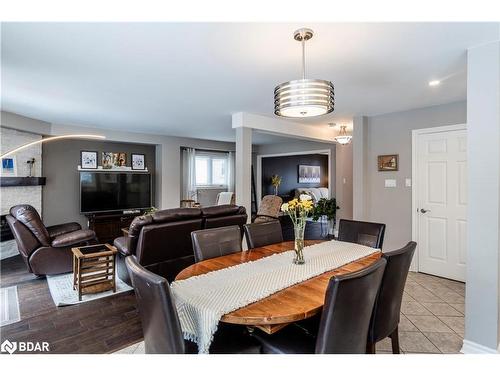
(441, 202)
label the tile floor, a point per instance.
(432, 317)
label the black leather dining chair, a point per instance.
(262, 234)
(211, 243)
(385, 318)
(160, 323)
(345, 320)
(362, 232)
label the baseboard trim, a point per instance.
(470, 347)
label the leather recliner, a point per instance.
(46, 250)
(162, 243)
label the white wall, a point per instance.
(482, 297)
(391, 134)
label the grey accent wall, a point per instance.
(391, 134)
(343, 188)
(60, 160)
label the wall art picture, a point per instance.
(88, 159)
(107, 160)
(9, 167)
(388, 163)
(309, 174)
(120, 159)
(138, 161)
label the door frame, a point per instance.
(258, 178)
(414, 191)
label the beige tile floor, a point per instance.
(432, 317)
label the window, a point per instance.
(211, 169)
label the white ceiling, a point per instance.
(187, 79)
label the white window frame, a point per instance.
(211, 156)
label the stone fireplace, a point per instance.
(13, 195)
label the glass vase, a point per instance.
(299, 230)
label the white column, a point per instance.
(243, 167)
(482, 306)
(359, 145)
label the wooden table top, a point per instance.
(289, 305)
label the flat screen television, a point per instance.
(113, 191)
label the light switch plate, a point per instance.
(390, 183)
(408, 182)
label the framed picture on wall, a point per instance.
(388, 163)
(9, 167)
(138, 161)
(107, 160)
(309, 174)
(88, 159)
(119, 159)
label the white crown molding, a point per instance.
(471, 347)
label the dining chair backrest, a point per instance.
(160, 322)
(262, 234)
(215, 242)
(386, 312)
(348, 307)
(362, 232)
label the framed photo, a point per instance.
(138, 161)
(119, 159)
(9, 167)
(309, 174)
(107, 160)
(388, 163)
(88, 159)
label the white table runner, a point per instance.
(202, 300)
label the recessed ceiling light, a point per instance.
(434, 83)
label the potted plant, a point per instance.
(326, 208)
(276, 182)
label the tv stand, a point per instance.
(107, 226)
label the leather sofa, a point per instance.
(161, 241)
(46, 250)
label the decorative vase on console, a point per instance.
(298, 210)
(276, 182)
(326, 208)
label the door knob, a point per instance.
(422, 210)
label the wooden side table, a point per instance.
(94, 269)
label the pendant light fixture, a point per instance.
(303, 97)
(343, 138)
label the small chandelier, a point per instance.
(343, 138)
(303, 97)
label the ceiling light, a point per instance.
(303, 97)
(434, 83)
(43, 140)
(343, 138)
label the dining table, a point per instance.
(292, 304)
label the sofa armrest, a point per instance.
(73, 238)
(122, 245)
(57, 230)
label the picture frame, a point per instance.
(88, 159)
(309, 174)
(388, 163)
(119, 159)
(138, 161)
(9, 167)
(107, 160)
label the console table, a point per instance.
(109, 226)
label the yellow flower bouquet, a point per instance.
(298, 210)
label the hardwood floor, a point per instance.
(100, 326)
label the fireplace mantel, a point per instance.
(22, 181)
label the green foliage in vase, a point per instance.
(325, 207)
